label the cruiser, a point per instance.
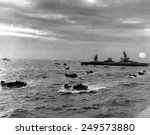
(124, 61)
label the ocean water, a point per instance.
(114, 95)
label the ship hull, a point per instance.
(136, 64)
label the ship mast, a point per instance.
(95, 57)
(125, 57)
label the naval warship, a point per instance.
(124, 61)
(6, 59)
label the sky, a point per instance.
(75, 29)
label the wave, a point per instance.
(144, 114)
(19, 113)
(85, 74)
(91, 89)
(40, 108)
(132, 84)
(106, 115)
(112, 114)
(90, 107)
(34, 98)
(120, 102)
(74, 70)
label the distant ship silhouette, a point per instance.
(6, 59)
(124, 61)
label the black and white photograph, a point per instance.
(74, 58)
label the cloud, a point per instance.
(133, 21)
(18, 31)
(20, 3)
(144, 32)
(15, 34)
(91, 1)
(82, 7)
(93, 23)
(91, 7)
(54, 17)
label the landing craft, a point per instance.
(124, 61)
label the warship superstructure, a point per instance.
(124, 61)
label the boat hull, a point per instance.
(136, 64)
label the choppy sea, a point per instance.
(117, 95)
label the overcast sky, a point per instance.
(74, 29)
